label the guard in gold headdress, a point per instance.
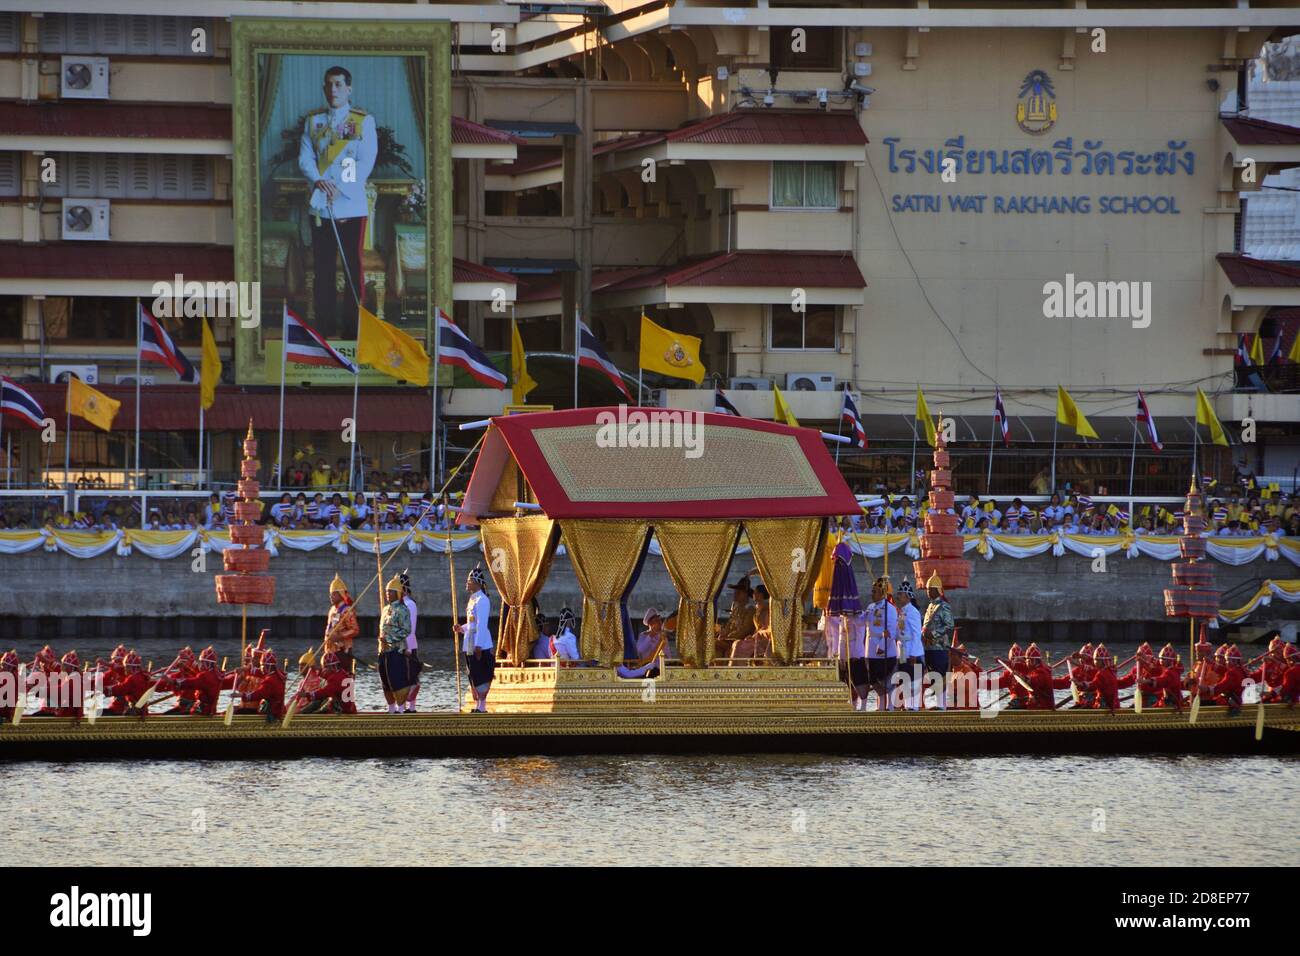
(341, 626)
(394, 628)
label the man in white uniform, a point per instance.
(336, 156)
(882, 641)
(411, 643)
(477, 644)
(911, 650)
(566, 642)
(650, 644)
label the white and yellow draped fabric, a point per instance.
(172, 544)
(1288, 591)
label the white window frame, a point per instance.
(803, 336)
(771, 186)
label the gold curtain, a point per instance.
(604, 554)
(696, 554)
(785, 550)
(825, 565)
(518, 553)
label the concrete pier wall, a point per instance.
(49, 596)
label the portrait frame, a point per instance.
(251, 38)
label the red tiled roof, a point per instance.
(537, 288)
(465, 131)
(755, 128)
(465, 271)
(115, 119)
(114, 260)
(1245, 271)
(173, 408)
(774, 128)
(1258, 132)
(835, 270)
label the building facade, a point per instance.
(959, 198)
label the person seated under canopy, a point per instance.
(650, 645)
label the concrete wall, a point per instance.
(46, 594)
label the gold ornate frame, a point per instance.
(251, 37)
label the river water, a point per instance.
(771, 809)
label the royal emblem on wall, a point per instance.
(1036, 105)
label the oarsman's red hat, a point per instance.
(187, 653)
(9, 661)
(330, 660)
(132, 661)
(1014, 652)
(46, 653)
(1168, 655)
(1233, 654)
(1144, 650)
(1033, 653)
(1086, 650)
(209, 655)
(118, 654)
(267, 658)
(71, 659)
(1221, 651)
(1291, 653)
(1101, 656)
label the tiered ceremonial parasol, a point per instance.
(249, 584)
(942, 544)
(1193, 595)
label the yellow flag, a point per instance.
(1257, 349)
(1205, 416)
(522, 382)
(211, 371)
(389, 350)
(923, 415)
(1067, 413)
(95, 407)
(781, 411)
(1294, 354)
(670, 353)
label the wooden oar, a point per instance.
(1196, 696)
(1259, 716)
(21, 700)
(455, 619)
(1137, 689)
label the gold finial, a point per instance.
(249, 436)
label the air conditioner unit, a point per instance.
(130, 379)
(87, 373)
(810, 382)
(750, 385)
(85, 219)
(84, 78)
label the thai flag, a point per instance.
(592, 355)
(157, 346)
(849, 416)
(306, 346)
(16, 402)
(1242, 355)
(1275, 356)
(455, 348)
(722, 405)
(1000, 417)
(1144, 416)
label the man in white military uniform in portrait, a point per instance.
(337, 154)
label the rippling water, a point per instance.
(778, 809)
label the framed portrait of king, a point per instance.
(342, 184)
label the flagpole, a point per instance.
(988, 482)
(1055, 424)
(279, 446)
(433, 427)
(912, 480)
(639, 373)
(200, 475)
(139, 331)
(67, 447)
(839, 429)
(356, 383)
(1132, 464)
(577, 348)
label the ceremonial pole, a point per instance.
(988, 482)
(912, 479)
(279, 447)
(1055, 425)
(455, 619)
(67, 449)
(577, 348)
(839, 429)
(9, 454)
(139, 332)
(433, 427)
(199, 481)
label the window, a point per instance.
(813, 328)
(9, 33)
(115, 34)
(128, 176)
(11, 317)
(102, 319)
(805, 185)
(820, 49)
(10, 174)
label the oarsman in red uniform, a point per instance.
(1145, 668)
(205, 684)
(269, 693)
(1272, 665)
(43, 677)
(128, 691)
(1083, 673)
(1227, 689)
(963, 679)
(11, 691)
(1169, 681)
(334, 693)
(1105, 684)
(1289, 690)
(1007, 678)
(1041, 680)
(68, 699)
